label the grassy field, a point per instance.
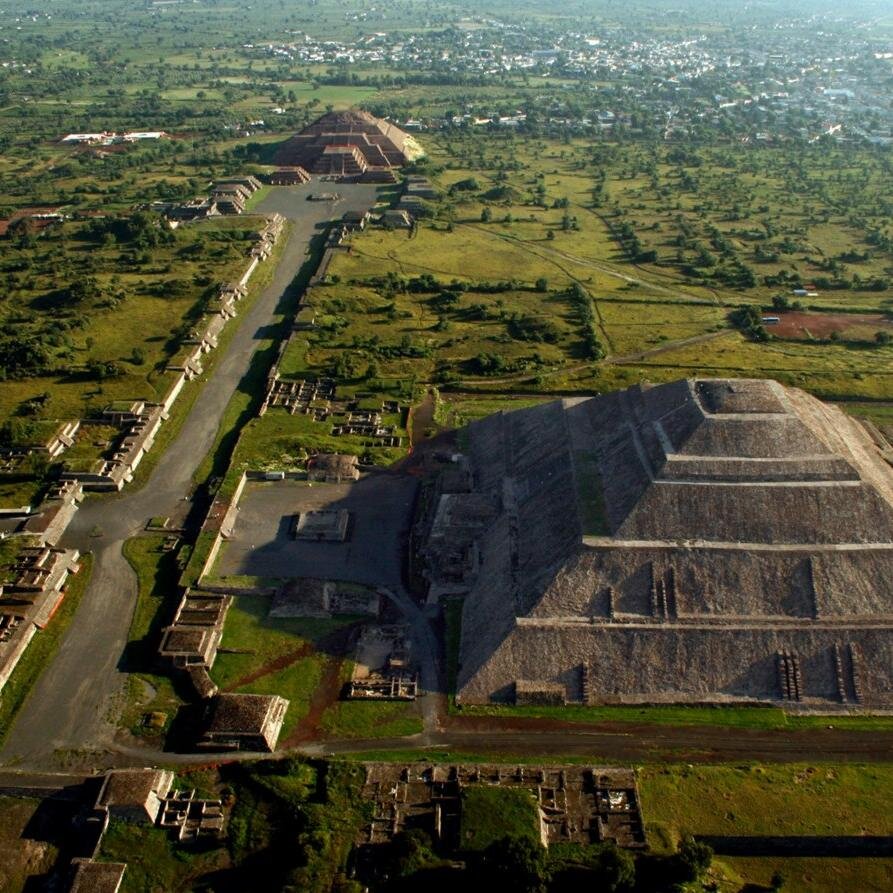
(482, 304)
(154, 861)
(489, 814)
(107, 333)
(28, 851)
(286, 657)
(42, 648)
(769, 800)
(819, 800)
(365, 719)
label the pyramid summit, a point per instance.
(708, 540)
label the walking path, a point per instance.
(73, 705)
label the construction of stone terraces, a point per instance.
(712, 541)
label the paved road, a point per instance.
(72, 707)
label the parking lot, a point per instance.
(380, 507)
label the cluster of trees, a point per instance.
(140, 229)
(582, 304)
(631, 245)
(749, 318)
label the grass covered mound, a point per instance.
(490, 814)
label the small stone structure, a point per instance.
(193, 637)
(191, 817)
(322, 526)
(88, 876)
(243, 722)
(333, 468)
(134, 795)
(541, 694)
(396, 219)
(288, 176)
(308, 397)
(381, 669)
(27, 603)
(306, 597)
(139, 422)
(419, 187)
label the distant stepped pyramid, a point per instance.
(348, 144)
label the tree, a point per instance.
(693, 858)
(515, 863)
(777, 881)
(883, 338)
(616, 869)
(542, 284)
(486, 215)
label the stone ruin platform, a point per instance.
(575, 804)
(322, 526)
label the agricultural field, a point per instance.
(522, 280)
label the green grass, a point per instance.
(279, 653)
(489, 814)
(23, 864)
(785, 800)
(769, 800)
(154, 861)
(362, 719)
(42, 649)
(731, 717)
(804, 875)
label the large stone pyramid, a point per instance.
(348, 143)
(701, 541)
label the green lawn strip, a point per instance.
(732, 717)
(365, 719)
(147, 690)
(42, 649)
(22, 864)
(442, 756)
(491, 813)
(779, 800)
(197, 556)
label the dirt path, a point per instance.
(421, 425)
(664, 348)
